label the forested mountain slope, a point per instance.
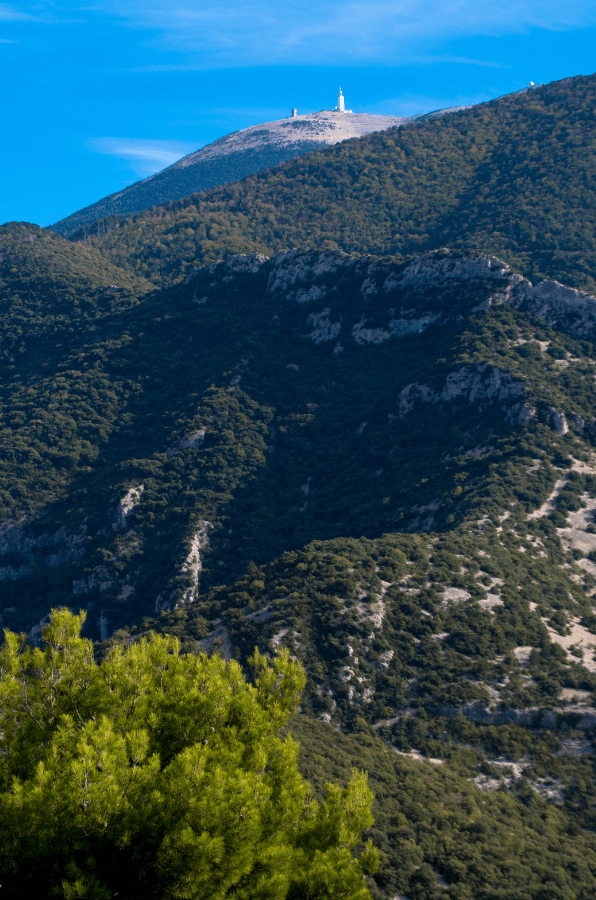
(33, 259)
(387, 467)
(514, 177)
(231, 158)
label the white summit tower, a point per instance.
(341, 107)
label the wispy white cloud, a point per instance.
(302, 31)
(47, 13)
(10, 14)
(144, 156)
(463, 60)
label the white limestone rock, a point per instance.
(447, 265)
(560, 306)
(323, 328)
(292, 266)
(480, 384)
(559, 422)
(126, 505)
(193, 563)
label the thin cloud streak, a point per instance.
(144, 155)
(301, 32)
(38, 16)
(463, 60)
(409, 104)
(427, 60)
(10, 14)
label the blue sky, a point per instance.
(99, 94)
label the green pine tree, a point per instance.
(159, 774)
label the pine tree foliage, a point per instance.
(157, 774)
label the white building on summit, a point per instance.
(341, 104)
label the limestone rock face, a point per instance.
(310, 277)
(481, 385)
(448, 266)
(559, 422)
(126, 505)
(47, 549)
(560, 306)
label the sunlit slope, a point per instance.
(436, 830)
(33, 258)
(515, 177)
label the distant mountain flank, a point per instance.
(232, 158)
(514, 177)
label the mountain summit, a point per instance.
(232, 158)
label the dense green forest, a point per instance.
(441, 837)
(280, 455)
(177, 181)
(514, 177)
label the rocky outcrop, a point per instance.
(562, 307)
(520, 414)
(126, 505)
(188, 442)
(480, 384)
(445, 266)
(398, 327)
(292, 267)
(193, 563)
(401, 299)
(324, 329)
(48, 549)
(559, 422)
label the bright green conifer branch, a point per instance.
(158, 774)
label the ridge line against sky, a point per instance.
(164, 79)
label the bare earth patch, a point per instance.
(581, 638)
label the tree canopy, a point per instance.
(159, 774)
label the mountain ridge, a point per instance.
(387, 468)
(236, 156)
(481, 178)
(231, 158)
